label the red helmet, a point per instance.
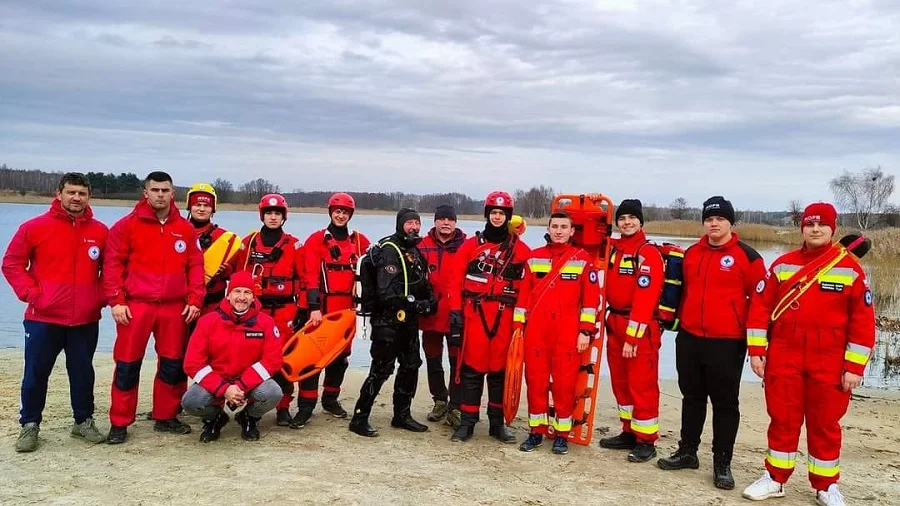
(273, 201)
(341, 199)
(497, 199)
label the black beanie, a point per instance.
(405, 215)
(633, 207)
(444, 211)
(718, 206)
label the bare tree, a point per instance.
(795, 212)
(678, 208)
(254, 190)
(224, 189)
(864, 194)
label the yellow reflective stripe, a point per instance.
(857, 353)
(675, 253)
(562, 424)
(536, 420)
(673, 281)
(826, 468)
(781, 460)
(519, 315)
(650, 426)
(625, 412)
(588, 315)
(667, 308)
(636, 329)
(840, 275)
(757, 337)
(626, 262)
(539, 265)
(573, 267)
(785, 271)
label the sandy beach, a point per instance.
(326, 464)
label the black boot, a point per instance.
(301, 418)
(359, 424)
(402, 417)
(331, 405)
(249, 426)
(624, 441)
(684, 458)
(282, 417)
(117, 435)
(642, 452)
(498, 431)
(173, 425)
(722, 471)
(466, 428)
(213, 428)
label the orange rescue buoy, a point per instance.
(512, 392)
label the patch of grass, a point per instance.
(749, 232)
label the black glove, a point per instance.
(456, 329)
(424, 307)
(300, 318)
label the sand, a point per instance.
(324, 463)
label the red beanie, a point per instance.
(241, 279)
(202, 197)
(823, 212)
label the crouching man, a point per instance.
(231, 357)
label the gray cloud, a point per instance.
(656, 98)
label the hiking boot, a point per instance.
(560, 445)
(117, 435)
(174, 425)
(642, 453)
(408, 423)
(28, 438)
(360, 425)
(300, 419)
(624, 441)
(722, 477)
(453, 419)
(212, 429)
(88, 431)
(763, 488)
(282, 417)
(683, 458)
(438, 412)
(249, 426)
(533, 441)
(830, 497)
(331, 405)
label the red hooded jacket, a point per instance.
(151, 261)
(440, 257)
(227, 349)
(53, 263)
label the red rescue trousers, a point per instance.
(547, 358)
(165, 321)
(803, 381)
(283, 316)
(635, 381)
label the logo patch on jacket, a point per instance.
(826, 286)
(180, 246)
(868, 297)
(94, 252)
(761, 286)
(643, 281)
(254, 334)
(726, 262)
(568, 276)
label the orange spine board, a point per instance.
(311, 349)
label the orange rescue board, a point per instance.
(592, 217)
(311, 349)
(515, 361)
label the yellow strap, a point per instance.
(402, 264)
(783, 305)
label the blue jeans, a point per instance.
(43, 343)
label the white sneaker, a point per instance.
(764, 488)
(830, 497)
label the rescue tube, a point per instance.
(220, 252)
(311, 348)
(592, 218)
(517, 225)
(515, 361)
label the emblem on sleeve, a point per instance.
(868, 297)
(643, 281)
(761, 286)
(592, 276)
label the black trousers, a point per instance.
(709, 368)
(398, 343)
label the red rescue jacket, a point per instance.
(440, 257)
(151, 261)
(476, 268)
(329, 268)
(634, 284)
(718, 283)
(206, 235)
(227, 349)
(53, 263)
(838, 306)
(278, 269)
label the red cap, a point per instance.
(823, 212)
(241, 279)
(202, 197)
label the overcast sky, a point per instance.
(761, 101)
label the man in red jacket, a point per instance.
(557, 308)
(720, 275)
(153, 279)
(329, 266)
(53, 264)
(439, 247)
(635, 283)
(201, 203)
(811, 355)
(232, 356)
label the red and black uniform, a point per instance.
(207, 233)
(275, 260)
(557, 301)
(440, 256)
(329, 258)
(634, 284)
(830, 329)
(490, 270)
(710, 349)
(155, 268)
(53, 264)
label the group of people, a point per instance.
(224, 329)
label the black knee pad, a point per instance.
(171, 371)
(128, 374)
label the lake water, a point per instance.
(301, 225)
